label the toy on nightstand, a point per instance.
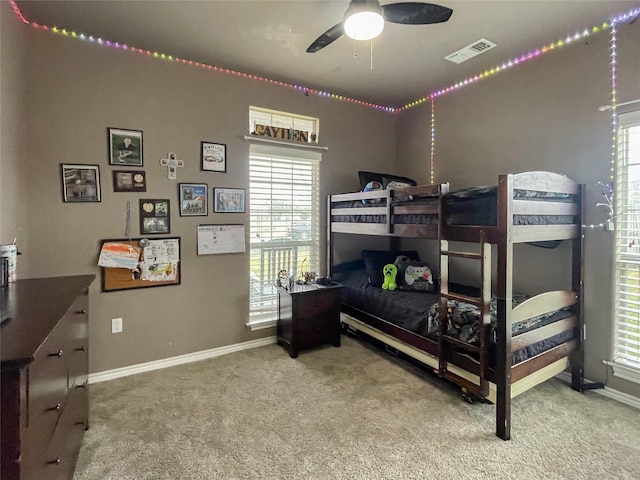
(389, 272)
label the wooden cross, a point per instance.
(172, 164)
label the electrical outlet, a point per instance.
(116, 325)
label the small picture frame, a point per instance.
(125, 147)
(129, 181)
(80, 183)
(228, 200)
(154, 216)
(193, 199)
(213, 157)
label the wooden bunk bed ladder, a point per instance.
(449, 343)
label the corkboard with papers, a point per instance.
(126, 264)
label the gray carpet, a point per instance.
(343, 413)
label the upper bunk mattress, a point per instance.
(412, 219)
(479, 206)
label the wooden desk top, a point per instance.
(35, 306)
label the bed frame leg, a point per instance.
(503, 412)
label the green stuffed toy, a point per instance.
(389, 272)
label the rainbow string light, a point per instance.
(162, 56)
(523, 58)
(613, 63)
(432, 174)
(486, 74)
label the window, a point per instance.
(626, 358)
(284, 216)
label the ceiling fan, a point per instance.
(364, 19)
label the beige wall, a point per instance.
(542, 115)
(75, 91)
(13, 179)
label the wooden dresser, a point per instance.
(308, 316)
(45, 400)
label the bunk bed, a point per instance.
(517, 341)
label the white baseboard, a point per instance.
(179, 360)
(607, 392)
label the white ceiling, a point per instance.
(269, 38)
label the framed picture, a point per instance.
(80, 183)
(193, 199)
(154, 216)
(213, 157)
(228, 200)
(125, 147)
(129, 181)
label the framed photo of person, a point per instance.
(125, 147)
(129, 181)
(154, 216)
(228, 200)
(213, 157)
(80, 183)
(193, 199)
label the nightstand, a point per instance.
(308, 316)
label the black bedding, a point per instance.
(412, 219)
(406, 309)
(479, 206)
(418, 313)
(467, 206)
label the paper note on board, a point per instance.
(119, 255)
(158, 272)
(162, 251)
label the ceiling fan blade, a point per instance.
(415, 13)
(326, 38)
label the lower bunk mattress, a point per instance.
(418, 312)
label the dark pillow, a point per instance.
(395, 182)
(414, 275)
(388, 183)
(374, 260)
(366, 177)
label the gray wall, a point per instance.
(75, 91)
(13, 202)
(542, 115)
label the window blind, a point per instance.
(627, 245)
(284, 194)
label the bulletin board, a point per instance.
(151, 272)
(215, 239)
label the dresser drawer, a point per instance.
(47, 395)
(56, 459)
(77, 319)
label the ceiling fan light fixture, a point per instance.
(363, 20)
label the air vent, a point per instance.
(470, 51)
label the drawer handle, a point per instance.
(55, 462)
(84, 385)
(57, 354)
(57, 408)
(81, 312)
(81, 349)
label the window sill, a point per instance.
(625, 372)
(261, 324)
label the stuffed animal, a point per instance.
(389, 272)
